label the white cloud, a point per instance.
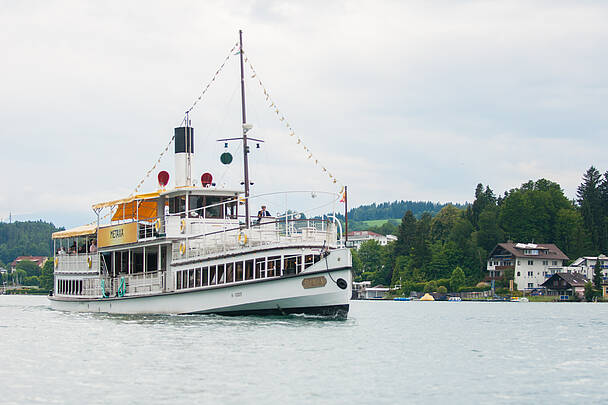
(401, 100)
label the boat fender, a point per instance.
(242, 238)
(56, 262)
(342, 283)
(157, 225)
(182, 248)
(182, 226)
(90, 262)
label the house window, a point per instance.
(518, 274)
(530, 273)
(518, 263)
(554, 262)
(545, 262)
(530, 262)
(530, 285)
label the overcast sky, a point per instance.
(413, 100)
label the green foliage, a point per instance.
(597, 275)
(357, 265)
(25, 238)
(431, 286)
(591, 198)
(30, 268)
(589, 291)
(473, 289)
(457, 280)
(461, 237)
(46, 279)
(395, 209)
(530, 212)
(32, 280)
(442, 290)
(18, 276)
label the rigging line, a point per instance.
(274, 107)
(217, 72)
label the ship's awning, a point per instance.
(79, 231)
(141, 210)
(147, 196)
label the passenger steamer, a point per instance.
(191, 250)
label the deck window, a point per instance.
(197, 277)
(191, 278)
(231, 208)
(177, 204)
(291, 264)
(260, 268)
(230, 272)
(196, 206)
(205, 276)
(213, 275)
(274, 266)
(239, 271)
(213, 212)
(221, 276)
(248, 269)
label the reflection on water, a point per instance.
(385, 352)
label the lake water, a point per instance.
(385, 352)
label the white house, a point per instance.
(356, 238)
(364, 291)
(586, 266)
(531, 263)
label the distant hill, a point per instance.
(395, 210)
(25, 238)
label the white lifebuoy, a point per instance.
(182, 226)
(182, 248)
(242, 238)
(90, 262)
(157, 225)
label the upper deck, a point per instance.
(196, 222)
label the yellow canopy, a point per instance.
(79, 231)
(146, 196)
(141, 210)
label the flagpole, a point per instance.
(346, 212)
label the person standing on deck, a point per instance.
(263, 213)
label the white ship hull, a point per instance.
(284, 295)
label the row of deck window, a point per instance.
(243, 270)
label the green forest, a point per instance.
(389, 213)
(27, 238)
(451, 248)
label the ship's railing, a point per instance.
(135, 284)
(77, 263)
(286, 231)
(77, 287)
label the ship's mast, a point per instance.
(245, 129)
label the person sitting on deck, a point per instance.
(93, 247)
(262, 213)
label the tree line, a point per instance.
(25, 238)
(393, 210)
(460, 238)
